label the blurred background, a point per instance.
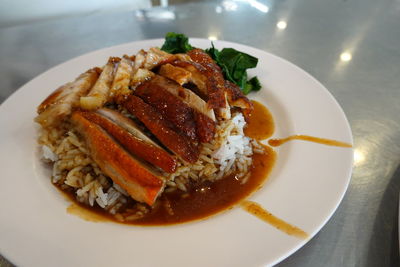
(16, 12)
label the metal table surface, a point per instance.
(351, 46)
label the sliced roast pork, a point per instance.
(122, 78)
(59, 104)
(181, 106)
(237, 99)
(128, 134)
(165, 132)
(171, 107)
(99, 94)
(143, 182)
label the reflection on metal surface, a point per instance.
(212, 37)
(155, 14)
(258, 5)
(359, 156)
(345, 56)
(281, 25)
(229, 5)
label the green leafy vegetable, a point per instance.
(234, 64)
(176, 43)
(252, 85)
(213, 52)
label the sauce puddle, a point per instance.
(258, 211)
(261, 123)
(209, 198)
(323, 141)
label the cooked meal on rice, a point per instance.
(158, 137)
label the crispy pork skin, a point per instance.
(215, 78)
(205, 127)
(137, 178)
(165, 132)
(186, 95)
(135, 145)
(189, 107)
(126, 123)
(171, 107)
(237, 99)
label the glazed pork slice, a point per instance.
(132, 139)
(126, 123)
(237, 99)
(122, 78)
(208, 78)
(141, 181)
(207, 85)
(164, 131)
(59, 104)
(140, 76)
(203, 116)
(190, 98)
(140, 58)
(98, 95)
(171, 107)
(152, 58)
(215, 78)
(197, 75)
(205, 127)
(156, 57)
(178, 74)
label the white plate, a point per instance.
(305, 187)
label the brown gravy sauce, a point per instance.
(323, 141)
(258, 211)
(211, 198)
(261, 123)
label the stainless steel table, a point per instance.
(351, 46)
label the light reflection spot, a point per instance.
(229, 5)
(281, 25)
(345, 56)
(258, 5)
(359, 157)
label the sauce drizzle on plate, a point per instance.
(323, 141)
(255, 209)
